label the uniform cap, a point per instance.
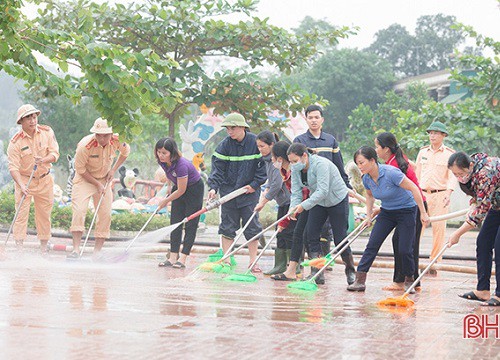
(235, 119)
(438, 126)
(101, 127)
(26, 110)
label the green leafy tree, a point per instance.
(179, 36)
(396, 45)
(472, 125)
(123, 83)
(486, 83)
(365, 121)
(70, 122)
(346, 78)
(428, 50)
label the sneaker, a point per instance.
(73, 256)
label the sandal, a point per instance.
(179, 265)
(281, 277)
(471, 296)
(256, 269)
(165, 263)
(73, 256)
(491, 302)
(394, 287)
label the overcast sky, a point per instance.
(371, 15)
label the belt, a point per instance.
(39, 177)
(434, 191)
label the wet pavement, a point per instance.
(55, 309)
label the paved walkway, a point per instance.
(54, 309)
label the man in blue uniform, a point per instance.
(237, 163)
(326, 145)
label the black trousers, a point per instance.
(338, 217)
(285, 238)
(189, 203)
(487, 241)
(398, 260)
(298, 236)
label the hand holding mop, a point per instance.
(403, 300)
(310, 284)
(248, 276)
(20, 204)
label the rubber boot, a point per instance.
(320, 280)
(359, 283)
(409, 282)
(280, 261)
(350, 271)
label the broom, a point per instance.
(165, 231)
(248, 276)
(310, 284)
(219, 267)
(403, 300)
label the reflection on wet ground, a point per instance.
(54, 309)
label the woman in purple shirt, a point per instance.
(186, 198)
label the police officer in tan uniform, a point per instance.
(33, 144)
(94, 172)
(436, 181)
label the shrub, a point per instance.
(61, 217)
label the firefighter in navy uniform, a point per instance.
(325, 145)
(237, 163)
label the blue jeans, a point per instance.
(404, 221)
(487, 240)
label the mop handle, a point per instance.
(142, 229)
(93, 218)
(449, 216)
(264, 249)
(20, 204)
(357, 196)
(241, 232)
(255, 237)
(441, 252)
(216, 203)
(361, 228)
(232, 195)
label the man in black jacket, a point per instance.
(237, 163)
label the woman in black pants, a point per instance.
(388, 149)
(186, 198)
(328, 199)
(400, 198)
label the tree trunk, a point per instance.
(171, 124)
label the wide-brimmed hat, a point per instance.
(26, 110)
(101, 127)
(437, 126)
(235, 119)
